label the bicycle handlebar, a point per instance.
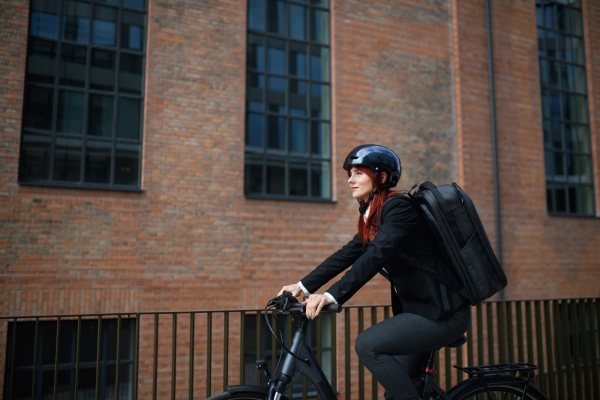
(287, 303)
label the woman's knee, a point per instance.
(363, 345)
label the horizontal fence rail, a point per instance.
(196, 354)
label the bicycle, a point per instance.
(499, 381)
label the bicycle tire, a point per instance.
(249, 393)
(503, 387)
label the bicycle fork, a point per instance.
(307, 366)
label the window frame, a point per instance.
(116, 94)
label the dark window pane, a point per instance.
(298, 136)
(109, 1)
(547, 137)
(131, 74)
(256, 14)
(276, 56)
(141, 4)
(97, 162)
(319, 26)
(561, 201)
(320, 138)
(541, 42)
(569, 145)
(556, 134)
(41, 61)
(253, 177)
(276, 132)
(298, 60)
(549, 165)
(559, 165)
(255, 88)
(102, 74)
(320, 180)
(277, 17)
(585, 169)
(89, 341)
(578, 51)
(573, 199)
(550, 199)
(298, 179)
(553, 74)
(298, 22)
(578, 82)
(555, 105)
(551, 45)
(276, 94)
(38, 107)
(254, 130)
(545, 104)
(76, 21)
(256, 52)
(129, 121)
(562, 20)
(298, 97)
(105, 26)
(67, 160)
(275, 177)
(575, 22)
(44, 18)
(319, 63)
(70, 112)
(320, 3)
(581, 109)
(581, 138)
(319, 101)
(22, 383)
(35, 157)
(100, 115)
(133, 33)
(127, 169)
(571, 169)
(72, 65)
(587, 200)
(549, 16)
(87, 383)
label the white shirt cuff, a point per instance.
(329, 296)
(303, 288)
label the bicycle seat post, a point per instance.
(427, 376)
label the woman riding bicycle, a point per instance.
(391, 238)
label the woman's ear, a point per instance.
(382, 177)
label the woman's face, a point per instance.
(360, 184)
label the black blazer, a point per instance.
(401, 229)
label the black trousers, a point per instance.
(396, 350)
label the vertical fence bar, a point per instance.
(551, 359)
(361, 368)
(470, 340)
(98, 346)
(448, 367)
(334, 352)
(489, 315)
(155, 366)
(273, 343)
(289, 340)
(373, 380)
(594, 342)
(56, 359)
(77, 350)
(174, 357)
(459, 362)
(386, 312)
(436, 377)
(500, 325)
(576, 349)
(529, 323)
(567, 349)
(118, 357)
(540, 346)
(558, 351)
(347, 352)
(11, 381)
(191, 362)
(258, 342)
(586, 348)
(226, 351)
(520, 343)
(136, 361)
(319, 344)
(480, 360)
(208, 353)
(35, 356)
(242, 347)
(304, 388)
(510, 331)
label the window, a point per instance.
(266, 353)
(84, 94)
(568, 155)
(288, 100)
(67, 347)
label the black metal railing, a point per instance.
(195, 354)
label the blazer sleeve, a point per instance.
(396, 224)
(333, 265)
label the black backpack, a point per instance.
(454, 224)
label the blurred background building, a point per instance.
(183, 155)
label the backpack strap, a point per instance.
(445, 297)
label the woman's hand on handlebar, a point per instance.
(293, 289)
(315, 303)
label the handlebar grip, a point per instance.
(336, 308)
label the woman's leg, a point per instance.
(403, 335)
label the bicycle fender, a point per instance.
(495, 377)
(246, 388)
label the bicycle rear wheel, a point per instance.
(501, 387)
(244, 393)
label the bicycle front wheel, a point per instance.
(243, 393)
(500, 387)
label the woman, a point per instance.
(391, 240)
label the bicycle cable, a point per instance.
(273, 304)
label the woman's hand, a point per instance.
(293, 289)
(315, 303)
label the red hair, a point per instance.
(367, 230)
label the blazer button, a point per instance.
(343, 292)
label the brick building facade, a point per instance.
(410, 75)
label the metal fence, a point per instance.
(195, 354)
